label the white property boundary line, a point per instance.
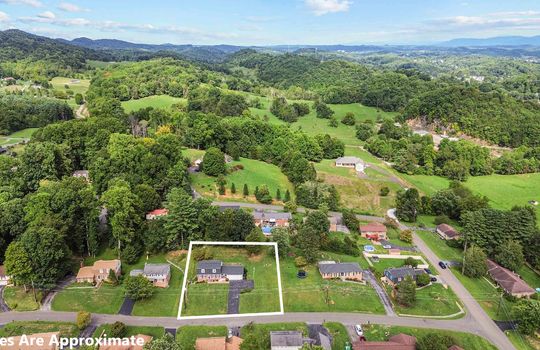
(184, 284)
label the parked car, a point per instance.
(387, 246)
(433, 279)
(442, 264)
(428, 271)
(358, 329)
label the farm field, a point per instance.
(78, 86)
(465, 340)
(255, 173)
(211, 298)
(157, 101)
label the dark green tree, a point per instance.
(138, 287)
(213, 163)
(406, 292)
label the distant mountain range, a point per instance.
(495, 41)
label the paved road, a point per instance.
(348, 319)
(479, 316)
(3, 305)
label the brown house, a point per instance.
(99, 272)
(374, 230)
(510, 282)
(344, 271)
(270, 219)
(397, 342)
(218, 343)
(447, 232)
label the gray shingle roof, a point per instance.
(402, 272)
(327, 268)
(286, 338)
(232, 270)
(157, 269)
(349, 160)
(134, 273)
(209, 264)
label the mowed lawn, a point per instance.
(106, 299)
(313, 294)
(255, 173)
(156, 101)
(439, 246)
(19, 300)
(467, 341)
(432, 300)
(187, 335)
(211, 298)
(17, 136)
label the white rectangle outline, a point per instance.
(184, 284)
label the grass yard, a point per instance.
(340, 336)
(187, 335)
(257, 336)
(156, 101)
(439, 246)
(17, 136)
(467, 341)
(211, 299)
(309, 294)
(433, 300)
(487, 296)
(106, 299)
(255, 173)
(18, 328)
(522, 342)
(155, 332)
(19, 300)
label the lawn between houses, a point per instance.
(211, 298)
(18, 328)
(186, 336)
(107, 299)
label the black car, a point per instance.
(433, 279)
(428, 271)
(442, 264)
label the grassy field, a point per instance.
(314, 294)
(340, 337)
(17, 136)
(106, 299)
(18, 328)
(522, 342)
(155, 332)
(210, 299)
(157, 101)
(433, 300)
(19, 300)
(255, 173)
(78, 86)
(465, 340)
(187, 335)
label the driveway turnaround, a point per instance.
(235, 289)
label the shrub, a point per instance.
(263, 195)
(435, 341)
(213, 163)
(422, 280)
(204, 253)
(118, 330)
(83, 319)
(441, 219)
(410, 262)
(384, 191)
(138, 287)
(348, 119)
(406, 236)
(300, 261)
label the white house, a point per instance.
(351, 162)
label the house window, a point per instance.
(202, 270)
(213, 270)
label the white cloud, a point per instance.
(69, 7)
(322, 7)
(33, 3)
(47, 14)
(3, 17)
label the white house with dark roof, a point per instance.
(344, 271)
(351, 162)
(217, 271)
(158, 274)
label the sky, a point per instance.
(273, 22)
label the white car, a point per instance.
(358, 329)
(387, 246)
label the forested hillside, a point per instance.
(28, 56)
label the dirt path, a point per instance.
(81, 112)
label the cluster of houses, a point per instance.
(102, 270)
